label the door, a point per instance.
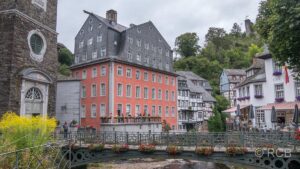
(34, 102)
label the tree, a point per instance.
(65, 57)
(236, 30)
(215, 123)
(64, 70)
(187, 44)
(278, 23)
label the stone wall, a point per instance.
(15, 57)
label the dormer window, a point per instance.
(129, 55)
(91, 27)
(99, 26)
(130, 39)
(139, 43)
(90, 41)
(250, 73)
(139, 30)
(99, 38)
(138, 58)
(81, 44)
(91, 20)
(81, 32)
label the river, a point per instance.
(148, 163)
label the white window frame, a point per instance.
(84, 74)
(146, 93)
(102, 110)
(93, 90)
(94, 72)
(120, 71)
(83, 111)
(103, 70)
(93, 113)
(153, 94)
(118, 87)
(129, 72)
(102, 89)
(277, 90)
(146, 76)
(128, 92)
(83, 92)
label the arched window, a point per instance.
(33, 94)
(34, 102)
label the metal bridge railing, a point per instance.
(250, 140)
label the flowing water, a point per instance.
(163, 164)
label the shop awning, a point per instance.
(233, 109)
(280, 106)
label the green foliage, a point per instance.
(278, 23)
(64, 70)
(187, 44)
(65, 57)
(215, 123)
(236, 30)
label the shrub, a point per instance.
(147, 148)
(23, 132)
(26, 132)
(204, 150)
(235, 150)
(174, 150)
(120, 148)
(96, 147)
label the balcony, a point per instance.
(131, 120)
(189, 121)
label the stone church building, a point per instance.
(28, 56)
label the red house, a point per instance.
(127, 73)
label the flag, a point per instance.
(287, 80)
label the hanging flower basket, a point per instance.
(147, 148)
(279, 100)
(240, 98)
(120, 148)
(232, 150)
(207, 151)
(298, 98)
(277, 73)
(246, 97)
(297, 135)
(258, 96)
(96, 147)
(174, 150)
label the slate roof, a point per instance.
(113, 25)
(260, 76)
(189, 76)
(238, 72)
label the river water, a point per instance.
(162, 164)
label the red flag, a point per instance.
(287, 80)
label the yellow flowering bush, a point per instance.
(22, 132)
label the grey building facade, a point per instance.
(142, 44)
(28, 55)
(68, 100)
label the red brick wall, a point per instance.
(133, 101)
(171, 119)
(98, 100)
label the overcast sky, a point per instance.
(171, 17)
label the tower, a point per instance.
(28, 52)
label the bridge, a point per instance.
(260, 150)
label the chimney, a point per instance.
(112, 15)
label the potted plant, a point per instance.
(277, 73)
(120, 148)
(204, 151)
(279, 100)
(233, 150)
(174, 150)
(246, 97)
(147, 148)
(298, 98)
(258, 96)
(96, 147)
